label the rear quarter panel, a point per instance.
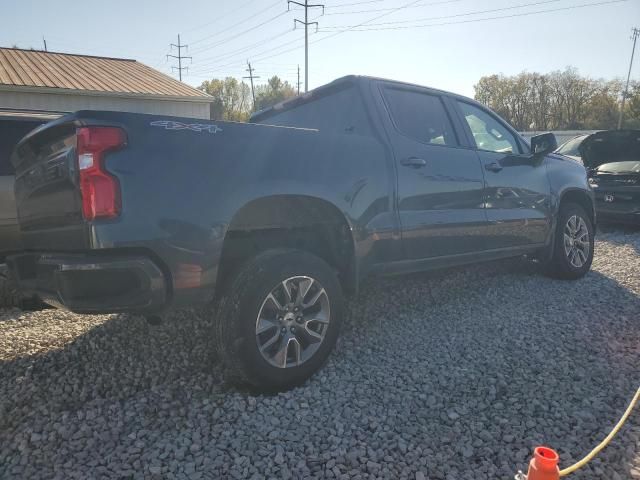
(181, 188)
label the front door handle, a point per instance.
(413, 162)
(493, 167)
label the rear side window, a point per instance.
(340, 111)
(420, 116)
(11, 132)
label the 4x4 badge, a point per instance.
(196, 127)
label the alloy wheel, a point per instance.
(576, 241)
(292, 322)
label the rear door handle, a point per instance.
(493, 167)
(413, 162)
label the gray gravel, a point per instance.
(448, 375)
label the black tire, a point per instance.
(559, 265)
(10, 297)
(236, 313)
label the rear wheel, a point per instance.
(573, 244)
(278, 320)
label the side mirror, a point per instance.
(543, 144)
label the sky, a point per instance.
(447, 44)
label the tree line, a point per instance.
(560, 100)
(233, 99)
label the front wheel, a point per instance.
(573, 244)
(278, 320)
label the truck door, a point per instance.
(517, 192)
(439, 182)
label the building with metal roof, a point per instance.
(33, 80)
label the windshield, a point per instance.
(571, 147)
(620, 167)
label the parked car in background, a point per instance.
(13, 126)
(270, 222)
(571, 148)
(612, 159)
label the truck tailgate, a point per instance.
(48, 200)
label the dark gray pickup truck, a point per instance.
(270, 222)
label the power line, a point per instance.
(244, 32)
(402, 7)
(634, 37)
(225, 56)
(353, 3)
(353, 12)
(225, 15)
(251, 17)
(524, 14)
(477, 12)
(179, 46)
(445, 23)
(306, 24)
(259, 56)
(288, 47)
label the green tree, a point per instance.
(603, 107)
(560, 100)
(274, 91)
(232, 99)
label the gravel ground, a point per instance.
(450, 375)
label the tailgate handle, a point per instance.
(413, 162)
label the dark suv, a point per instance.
(13, 126)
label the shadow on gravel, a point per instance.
(456, 374)
(620, 234)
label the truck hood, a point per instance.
(610, 146)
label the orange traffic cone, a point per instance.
(544, 465)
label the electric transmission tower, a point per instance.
(180, 57)
(634, 36)
(306, 5)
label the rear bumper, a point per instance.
(92, 283)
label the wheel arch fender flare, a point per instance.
(296, 212)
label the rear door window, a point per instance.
(420, 116)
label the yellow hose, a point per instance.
(605, 442)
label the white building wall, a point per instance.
(71, 103)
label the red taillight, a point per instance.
(100, 190)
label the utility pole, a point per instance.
(298, 83)
(45, 43)
(634, 37)
(179, 46)
(251, 77)
(306, 24)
